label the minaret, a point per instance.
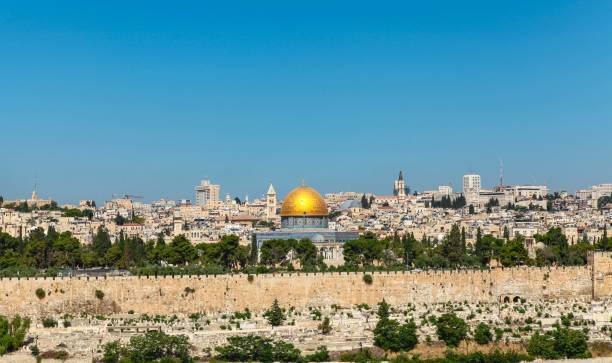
(34, 194)
(271, 204)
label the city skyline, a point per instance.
(191, 194)
(103, 99)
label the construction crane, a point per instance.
(127, 196)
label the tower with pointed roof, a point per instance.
(271, 203)
(399, 188)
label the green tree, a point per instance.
(154, 346)
(482, 334)
(557, 247)
(543, 346)
(66, 251)
(561, 343)
(275, 251)
(513, 253)
(101, 242)
(451, 329)
(306, 252)
(603, 201)
(180, 251)
(256, 348)
(390, 335)
(275, 314)
(12, 333)
(452, 247)
(604, 243)
(112, 352)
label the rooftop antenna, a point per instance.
(501, 173)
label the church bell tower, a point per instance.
(399, 188)
(271, 204)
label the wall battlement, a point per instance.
(234, 292)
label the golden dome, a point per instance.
(303, 201)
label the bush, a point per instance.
(499, 334)
(49, 322)
(154, 346)
(250, 278)
(255, 348)
(12, 333)
(361, 356)
(390, 335)
(99, 294)
(451, 329)
(368, 279)
(40, 293)
(321, 355)
(112, 352)
(34, 350)
(483, 334)
(561, 343)
(54, 354)
(325, 326)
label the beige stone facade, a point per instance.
(228, 293)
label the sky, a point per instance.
(148, 98)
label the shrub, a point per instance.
(451, 329)
(34, 350)
(499, 333)
(390, 335)
(368, 279)
(483, 335)
(154, 346)
(255, 348)
(321, 355)
(561, 343)
(99, 294)
(112, 352)
(12, 333)
(250, 278)
(325, 326)
(40, 293)
(363, 355)
(54, 354)
(49, 322)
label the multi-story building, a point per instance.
(471, 187)
(206, 192)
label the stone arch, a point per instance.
(507, 299)
(516, 299)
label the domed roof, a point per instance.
(303, 201)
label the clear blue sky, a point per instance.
(148, 98)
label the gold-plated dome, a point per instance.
(304, 201)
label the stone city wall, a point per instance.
(228, 293)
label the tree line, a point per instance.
(50, 250)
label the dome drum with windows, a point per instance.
(304, 207)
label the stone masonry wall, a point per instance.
(601, 264)
(228, 293)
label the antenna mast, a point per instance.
(501, 173)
